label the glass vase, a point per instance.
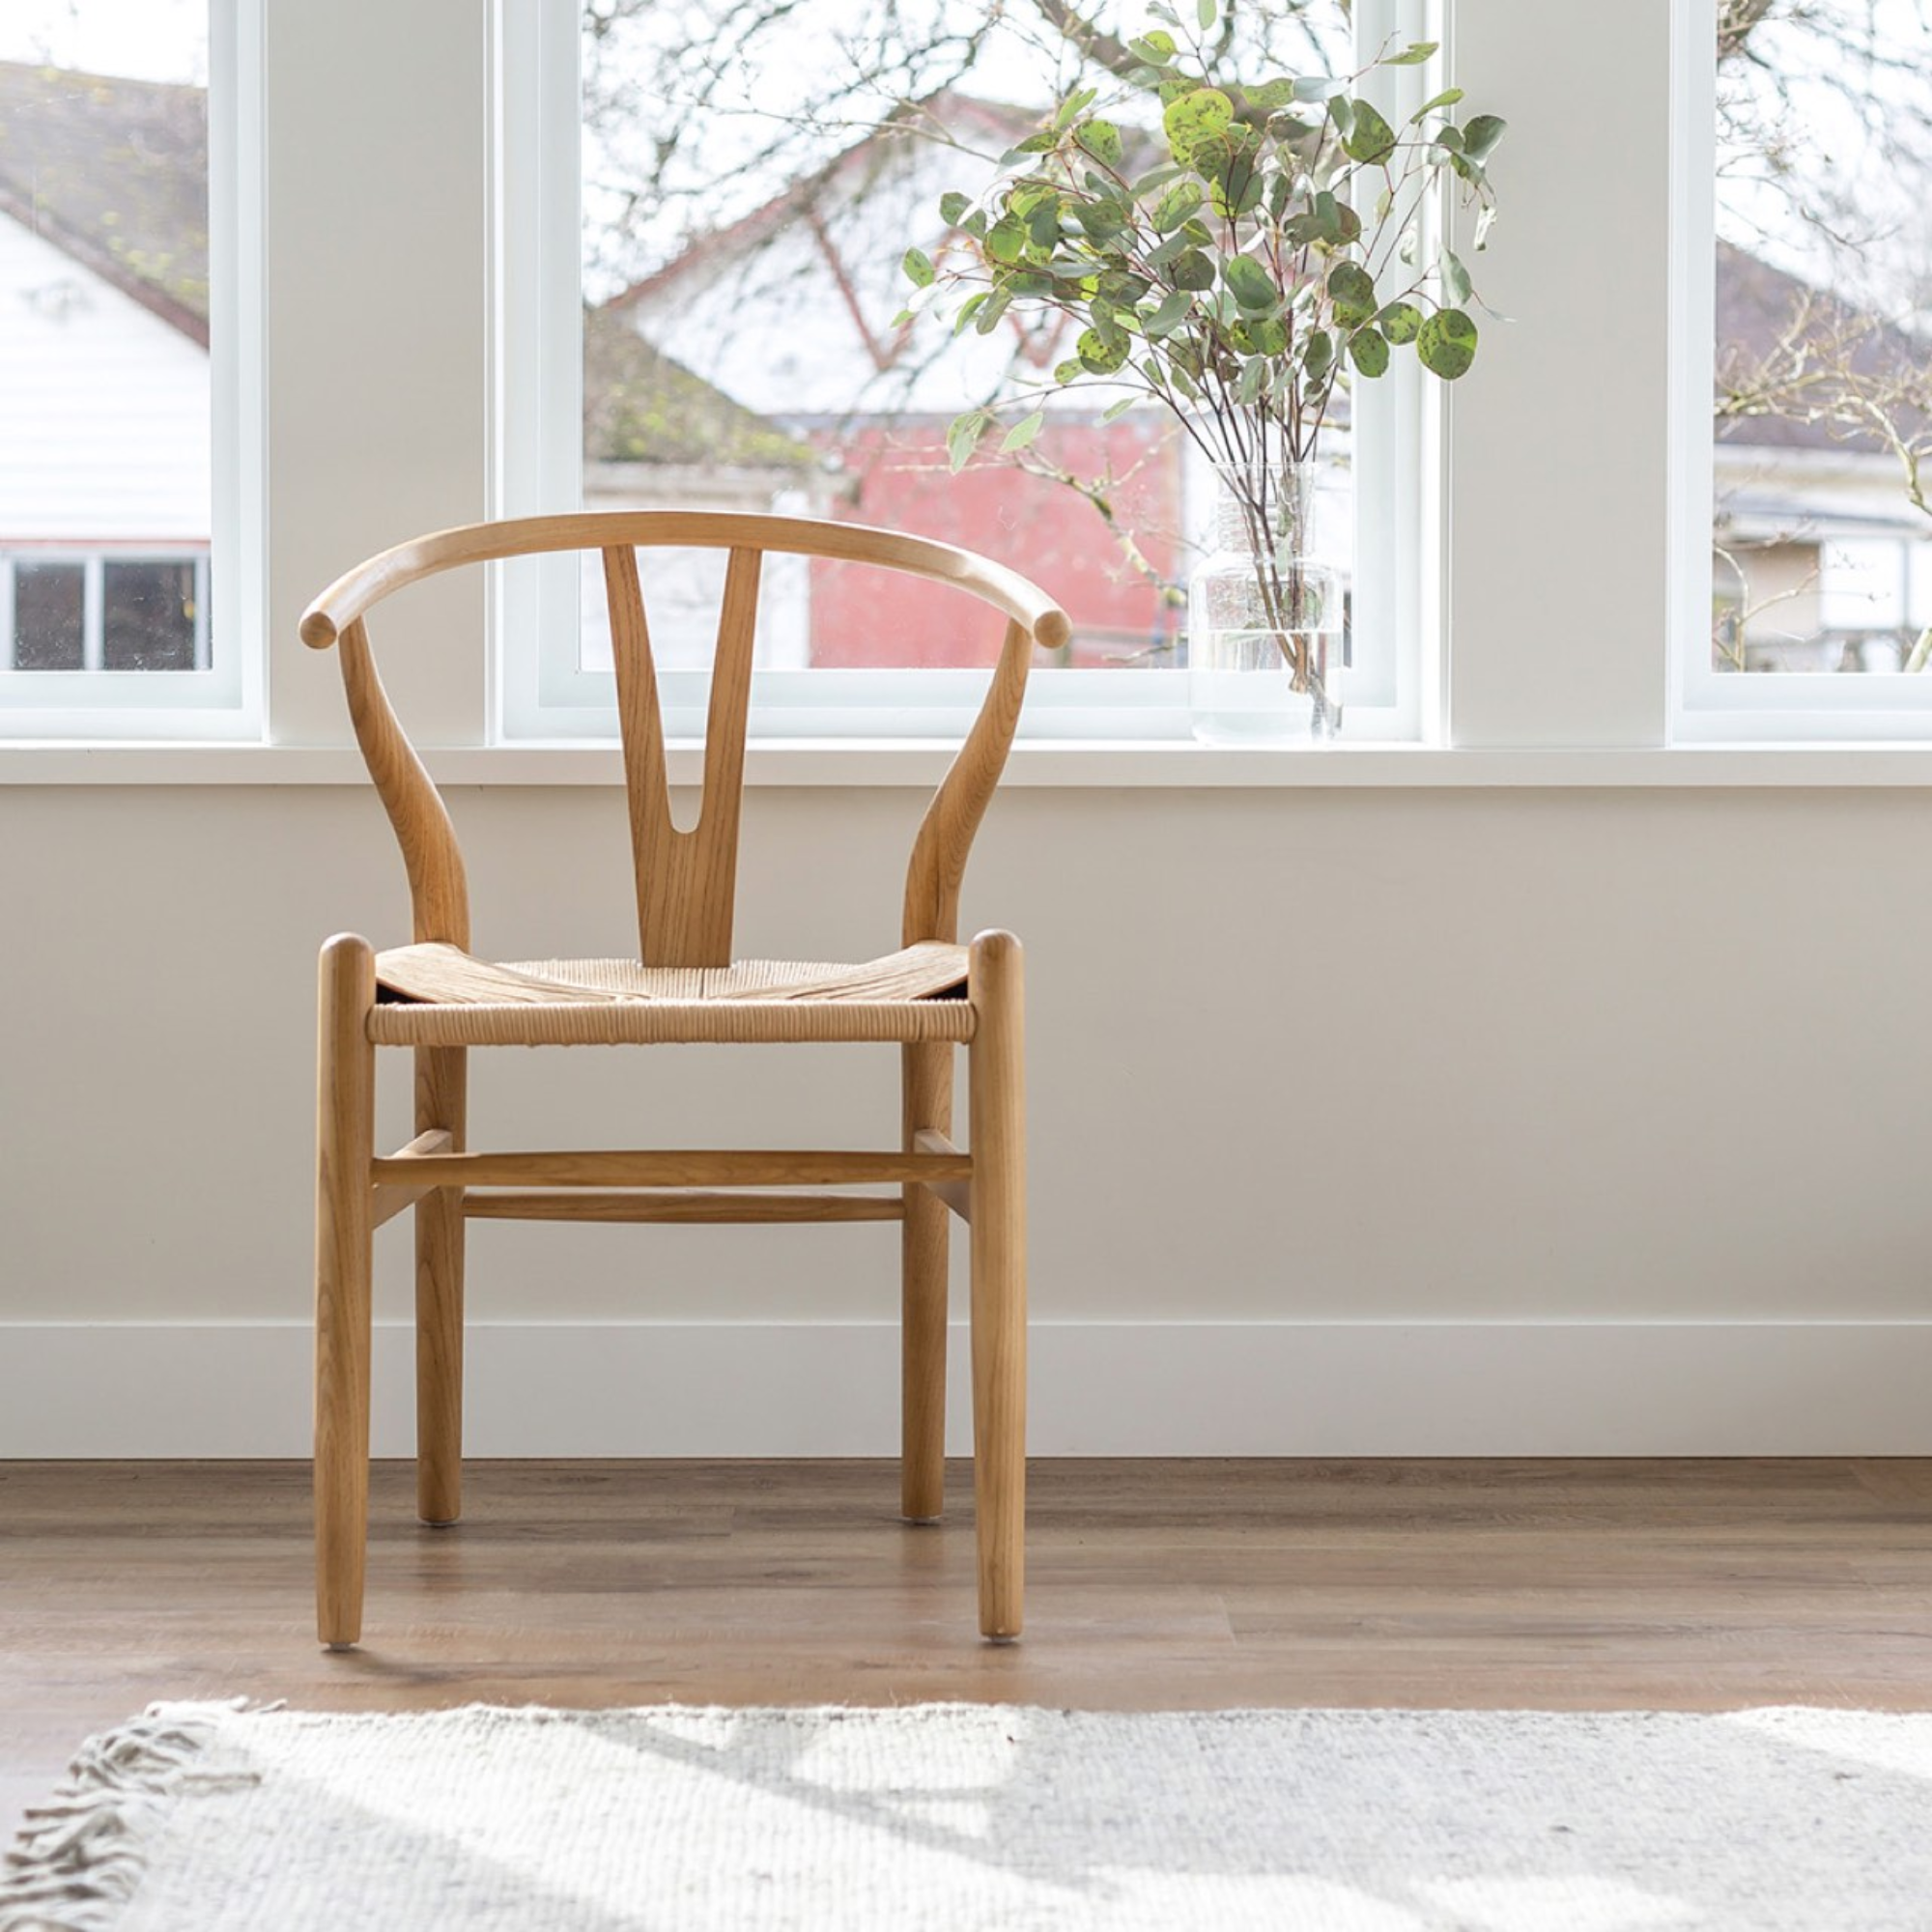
(1265, 614)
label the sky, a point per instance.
(147, 40)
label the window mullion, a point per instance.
(93, 614)
(1558, 438)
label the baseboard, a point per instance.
(128, 1389)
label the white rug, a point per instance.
(201, 1818)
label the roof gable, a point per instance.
(113, 172)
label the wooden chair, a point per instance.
(435, 998)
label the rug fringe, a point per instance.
(76, 1865)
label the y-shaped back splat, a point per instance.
(686, 881)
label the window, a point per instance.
(1820, 607)
(108, 394)
(105, 611)
(726, 339)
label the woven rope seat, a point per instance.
(438, 995)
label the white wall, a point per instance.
(1619, 1061)
(1371, 1117)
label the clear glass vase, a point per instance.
(1265, 614)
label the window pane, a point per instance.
(1823, 522)
(104, 309)
(148, 617)
(744, 223)
(49, 617)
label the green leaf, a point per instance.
(1102, 140)
(1194, 270)
(1368, 351)
(1456, 284)
(918, 267)
(964, 438)
(969, 308)
(1251, 285)
(1448, 98)
(1202, 114)
(1042, 224)
(1318, 87)
(1262, 335)
(1371, 140)
(1447, 343)
(1069, 370)
(1331, 221)
(1100, 220)
(953, 208)
(1073, 106)
(1318, 353)
(1156, 48)
(1269, 94)
(1205, 11)
(1400, 321)
(1351, 290)
(1114, 412)
(1022, 432)
(1254, 373)
(1480, 135)
(1235, 185)
(1412, 55)
(1006, 242)
(988, 319)
(1175, 206)
(1098, 355)
(1169, 316)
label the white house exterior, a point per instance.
(104, 439)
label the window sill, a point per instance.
(918, 764)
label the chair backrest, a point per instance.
(686, 880)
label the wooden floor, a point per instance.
(1639, 1584)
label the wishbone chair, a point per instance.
(436, 998)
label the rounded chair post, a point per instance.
(924, 1238)
(996, 1104)
(344, 1230)
(441, 1093)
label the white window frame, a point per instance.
(542, 694)
(222, 699)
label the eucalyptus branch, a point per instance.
(1224, 271)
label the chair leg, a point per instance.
(926, 1090)
(441, 1090)
(345, 1146)
(998, 1111)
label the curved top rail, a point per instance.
(354, 593)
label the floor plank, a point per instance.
(1545, 1584)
